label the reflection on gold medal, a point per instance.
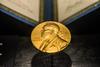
(50, 37)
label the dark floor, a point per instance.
(83, 51)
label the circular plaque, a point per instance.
(50, 37)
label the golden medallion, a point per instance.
(50, 37)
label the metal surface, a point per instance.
(50, 37)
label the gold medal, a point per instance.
(50, 37)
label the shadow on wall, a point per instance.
(51, 60)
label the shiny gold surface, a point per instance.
(50, 37)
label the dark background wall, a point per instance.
(89, 24)
(12, 26)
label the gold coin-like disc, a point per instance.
(50, 37)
